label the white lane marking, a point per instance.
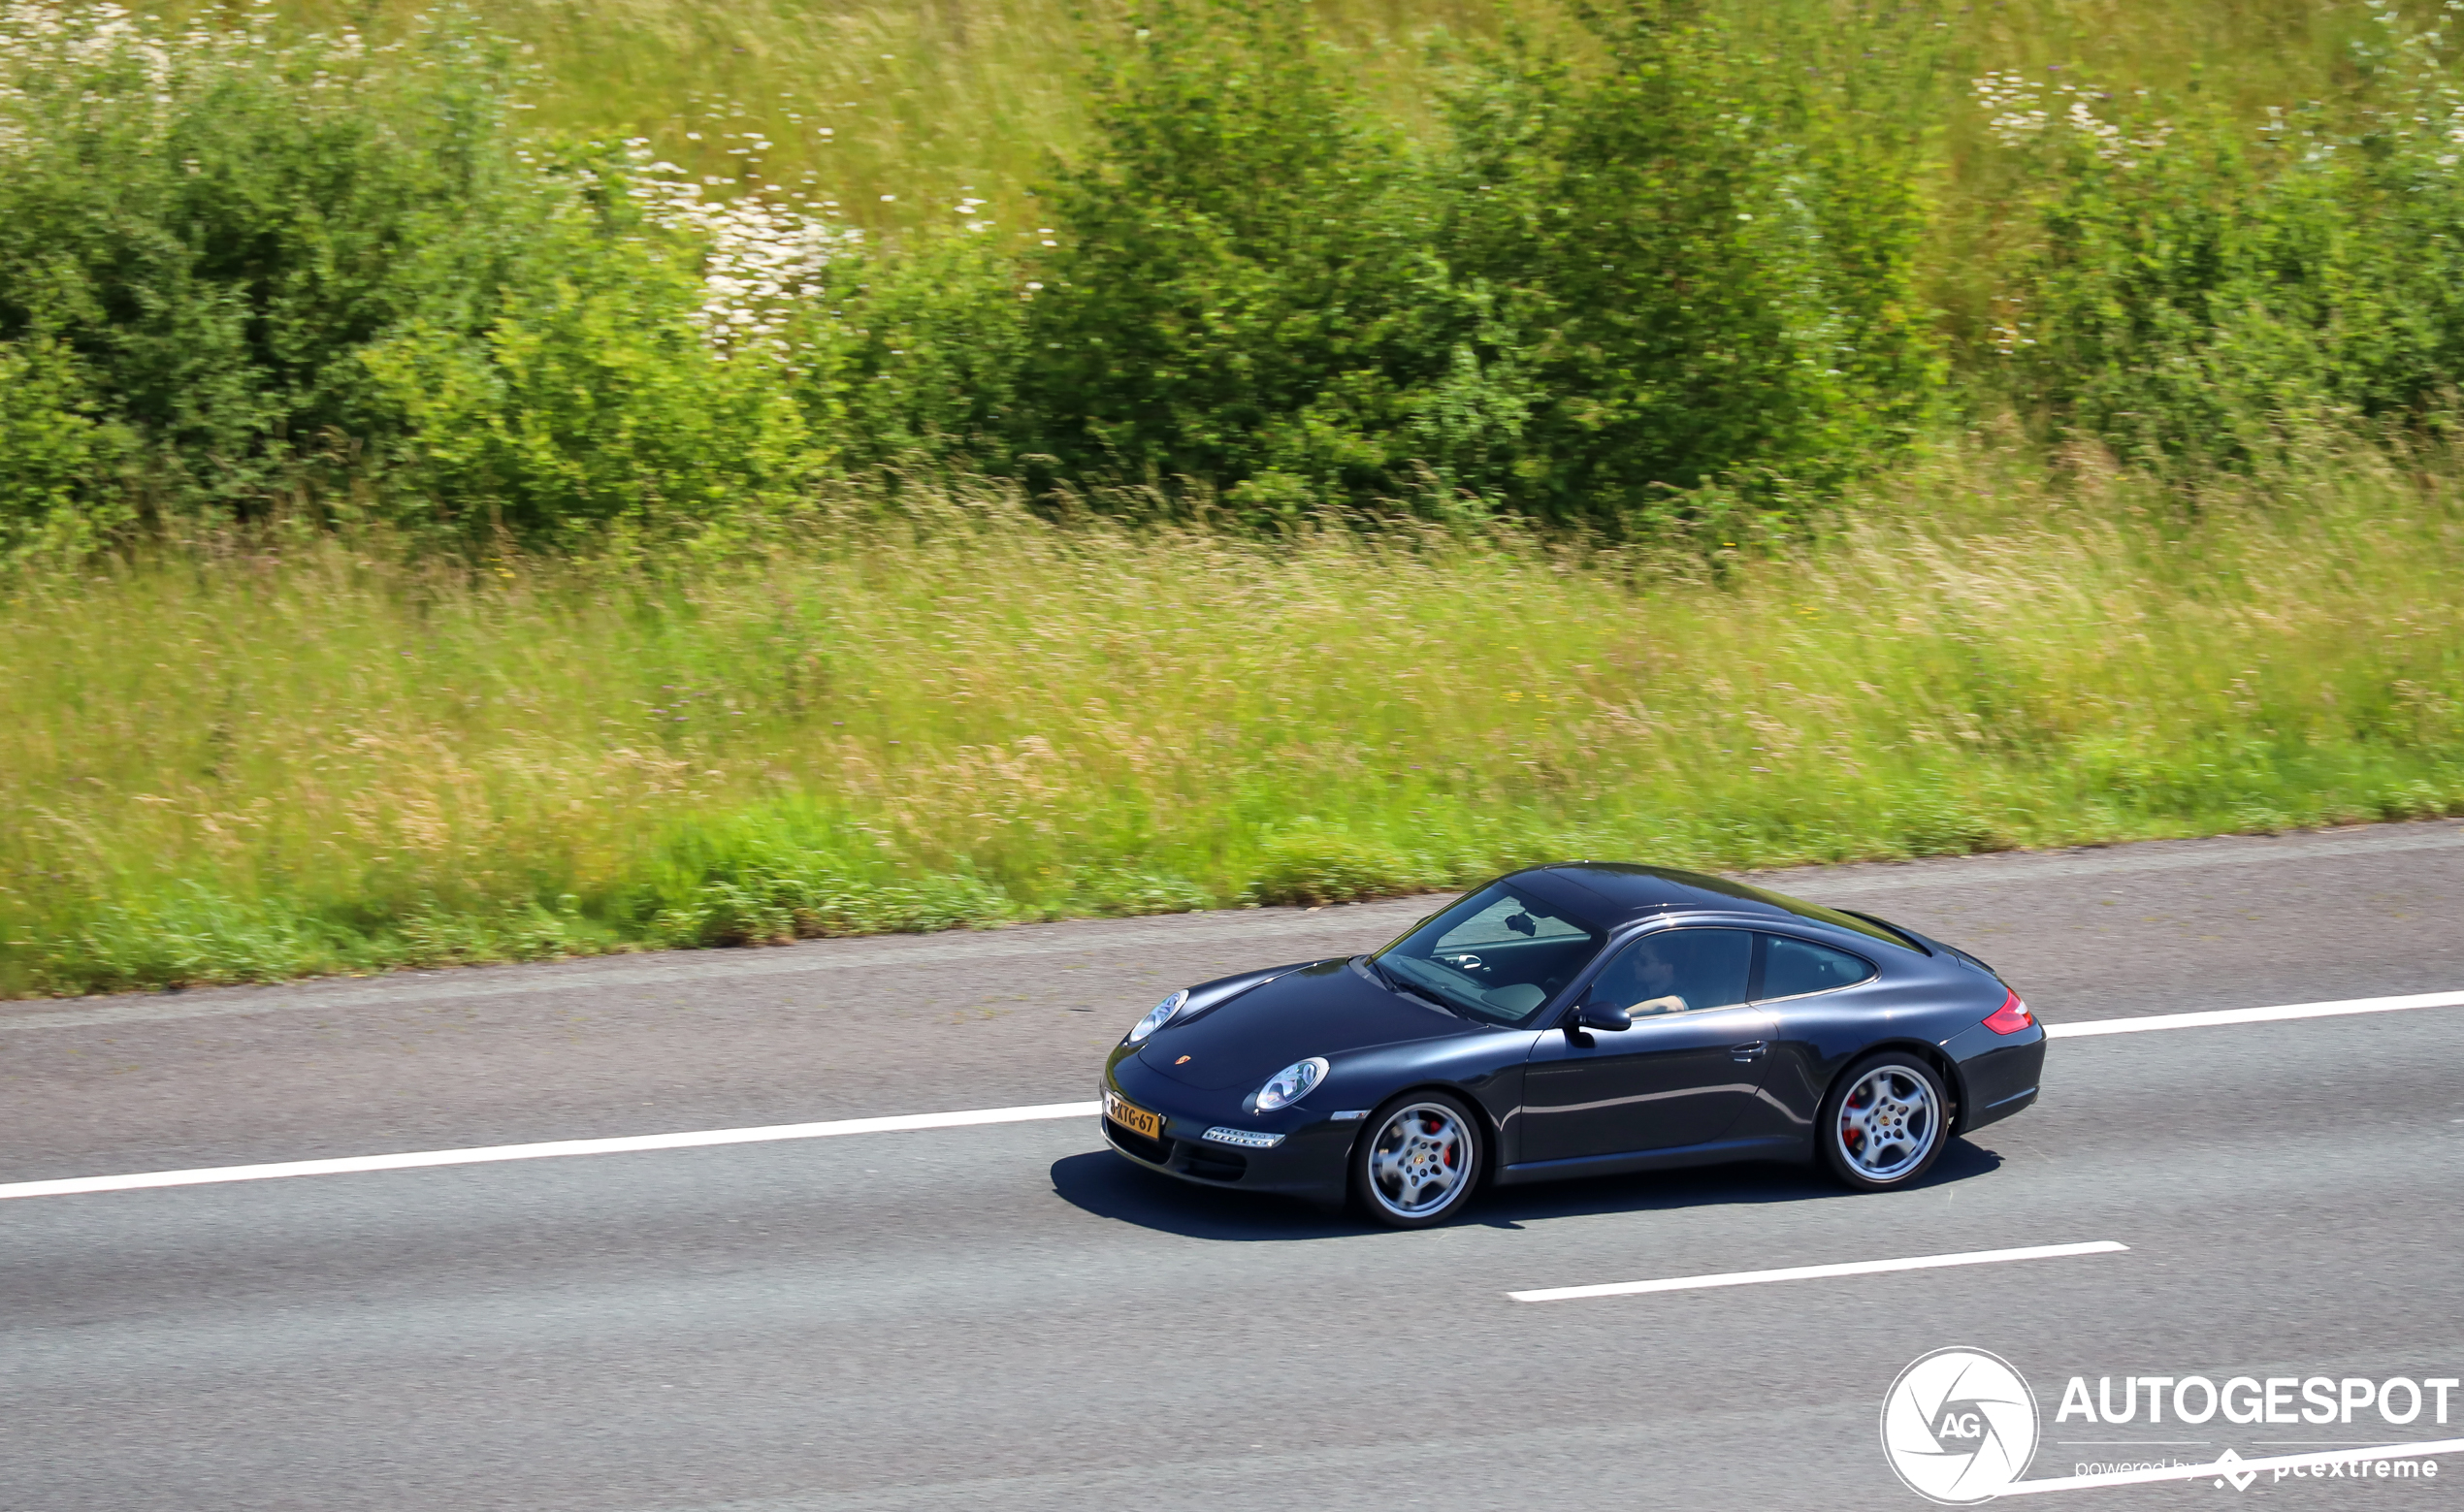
(2252, 1015)
(1688, 1283)
(484, 1155)
(73, 1185)
(2234, 1467)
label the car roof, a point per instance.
(1615, 893)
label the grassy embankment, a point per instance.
(292, 752)
(230, 768)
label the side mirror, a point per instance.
(1600, 1014)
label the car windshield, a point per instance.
(1498, 954)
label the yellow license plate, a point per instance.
(1131, 1116)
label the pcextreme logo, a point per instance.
(1960, 1427)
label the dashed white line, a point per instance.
(1690, 1283)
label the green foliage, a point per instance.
(1616, 282)
(1309, 864)
(1697, 270)
(757, 652)
(1129, 892)
(191, 935)
(57, 463)
(214, 222)
(1246, 290)
(333, 754)
(923, 356)
(303, 269)
(792, 899)
(2197, 289)
(583, 395)
(1653, 272)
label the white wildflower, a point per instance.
(761, 260)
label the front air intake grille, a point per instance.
(1159, 1151)
(1215, 1165)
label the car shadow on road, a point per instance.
(1102, 1183)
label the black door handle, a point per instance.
(1751, 1051)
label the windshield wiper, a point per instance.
(1418, 993)
(1387, 979)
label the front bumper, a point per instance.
(1309, 1163)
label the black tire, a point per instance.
(1884, 1124)
(1418, 1171)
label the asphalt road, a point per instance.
(1009, 1316)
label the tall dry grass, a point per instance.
(922, 100)
(892, 108)
(226, 763)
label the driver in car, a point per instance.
(1642, 979)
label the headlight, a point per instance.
(1158, 1015)
(1291, 1084)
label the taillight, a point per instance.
(2011, 1017)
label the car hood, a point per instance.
(1325, 1010)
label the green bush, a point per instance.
(1248, 290)
(1612, 285)
(2197, 289)
(1656, 277)
(56, 459)
(584, 394)
(303, 270)
(1694, 264)
(918, 357)
(215, 222)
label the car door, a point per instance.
(1681, 1076)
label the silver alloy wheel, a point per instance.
(1419, 1160)
(1887, 1123)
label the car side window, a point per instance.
(1793, 968)
(1677, 971)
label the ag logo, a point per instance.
(1959, 1425)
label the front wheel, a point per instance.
(1883, 1122)
(1418, 1162)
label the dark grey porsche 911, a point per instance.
(1576, 1020)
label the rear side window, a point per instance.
(1793, 968)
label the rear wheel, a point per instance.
(1418, 1162)
(1885, 1122)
